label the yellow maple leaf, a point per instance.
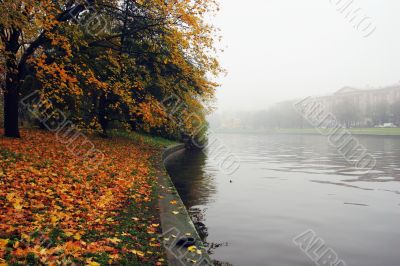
(77, 237)
(90, 262)
(114, 240)
(10, 196)
(137, 252)
(114, 256)
(15, 200)
(53, 219)
(3, 243)
(17, 205)
(192, 249)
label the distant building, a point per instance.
(232, 123)
(362, 101)
(363, 98)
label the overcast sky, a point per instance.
(278, 50)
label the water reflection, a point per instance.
(191, 176)
(192, 179)
(287, 184)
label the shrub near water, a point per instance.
(56, 211)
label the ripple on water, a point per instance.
(289, 184)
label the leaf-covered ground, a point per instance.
(56, 211)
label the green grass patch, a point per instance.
(311, 131)
(355, 131)
(7, 155)
(130, 229)
(144, 138)
(376, 131)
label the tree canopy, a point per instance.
(111, 63)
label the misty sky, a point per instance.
(278, 50)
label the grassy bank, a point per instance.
(56, 210)
(355, 131)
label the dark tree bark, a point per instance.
(15, 71)
(11, 110)
(11, 100)
(103, 120)
(11, 93)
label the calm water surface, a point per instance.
(286, 185)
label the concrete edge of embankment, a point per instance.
(176, 224)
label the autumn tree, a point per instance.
(151, 49)
(25, 26)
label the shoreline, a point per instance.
(175, 220)
(382, 132)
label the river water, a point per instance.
(287, 185)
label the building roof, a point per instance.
(346, 90)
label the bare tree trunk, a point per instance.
(103, 119)
(11, 109)
(15, 71)
(11, 93)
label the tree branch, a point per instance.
(69, 14)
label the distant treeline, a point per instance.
(284, 115)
